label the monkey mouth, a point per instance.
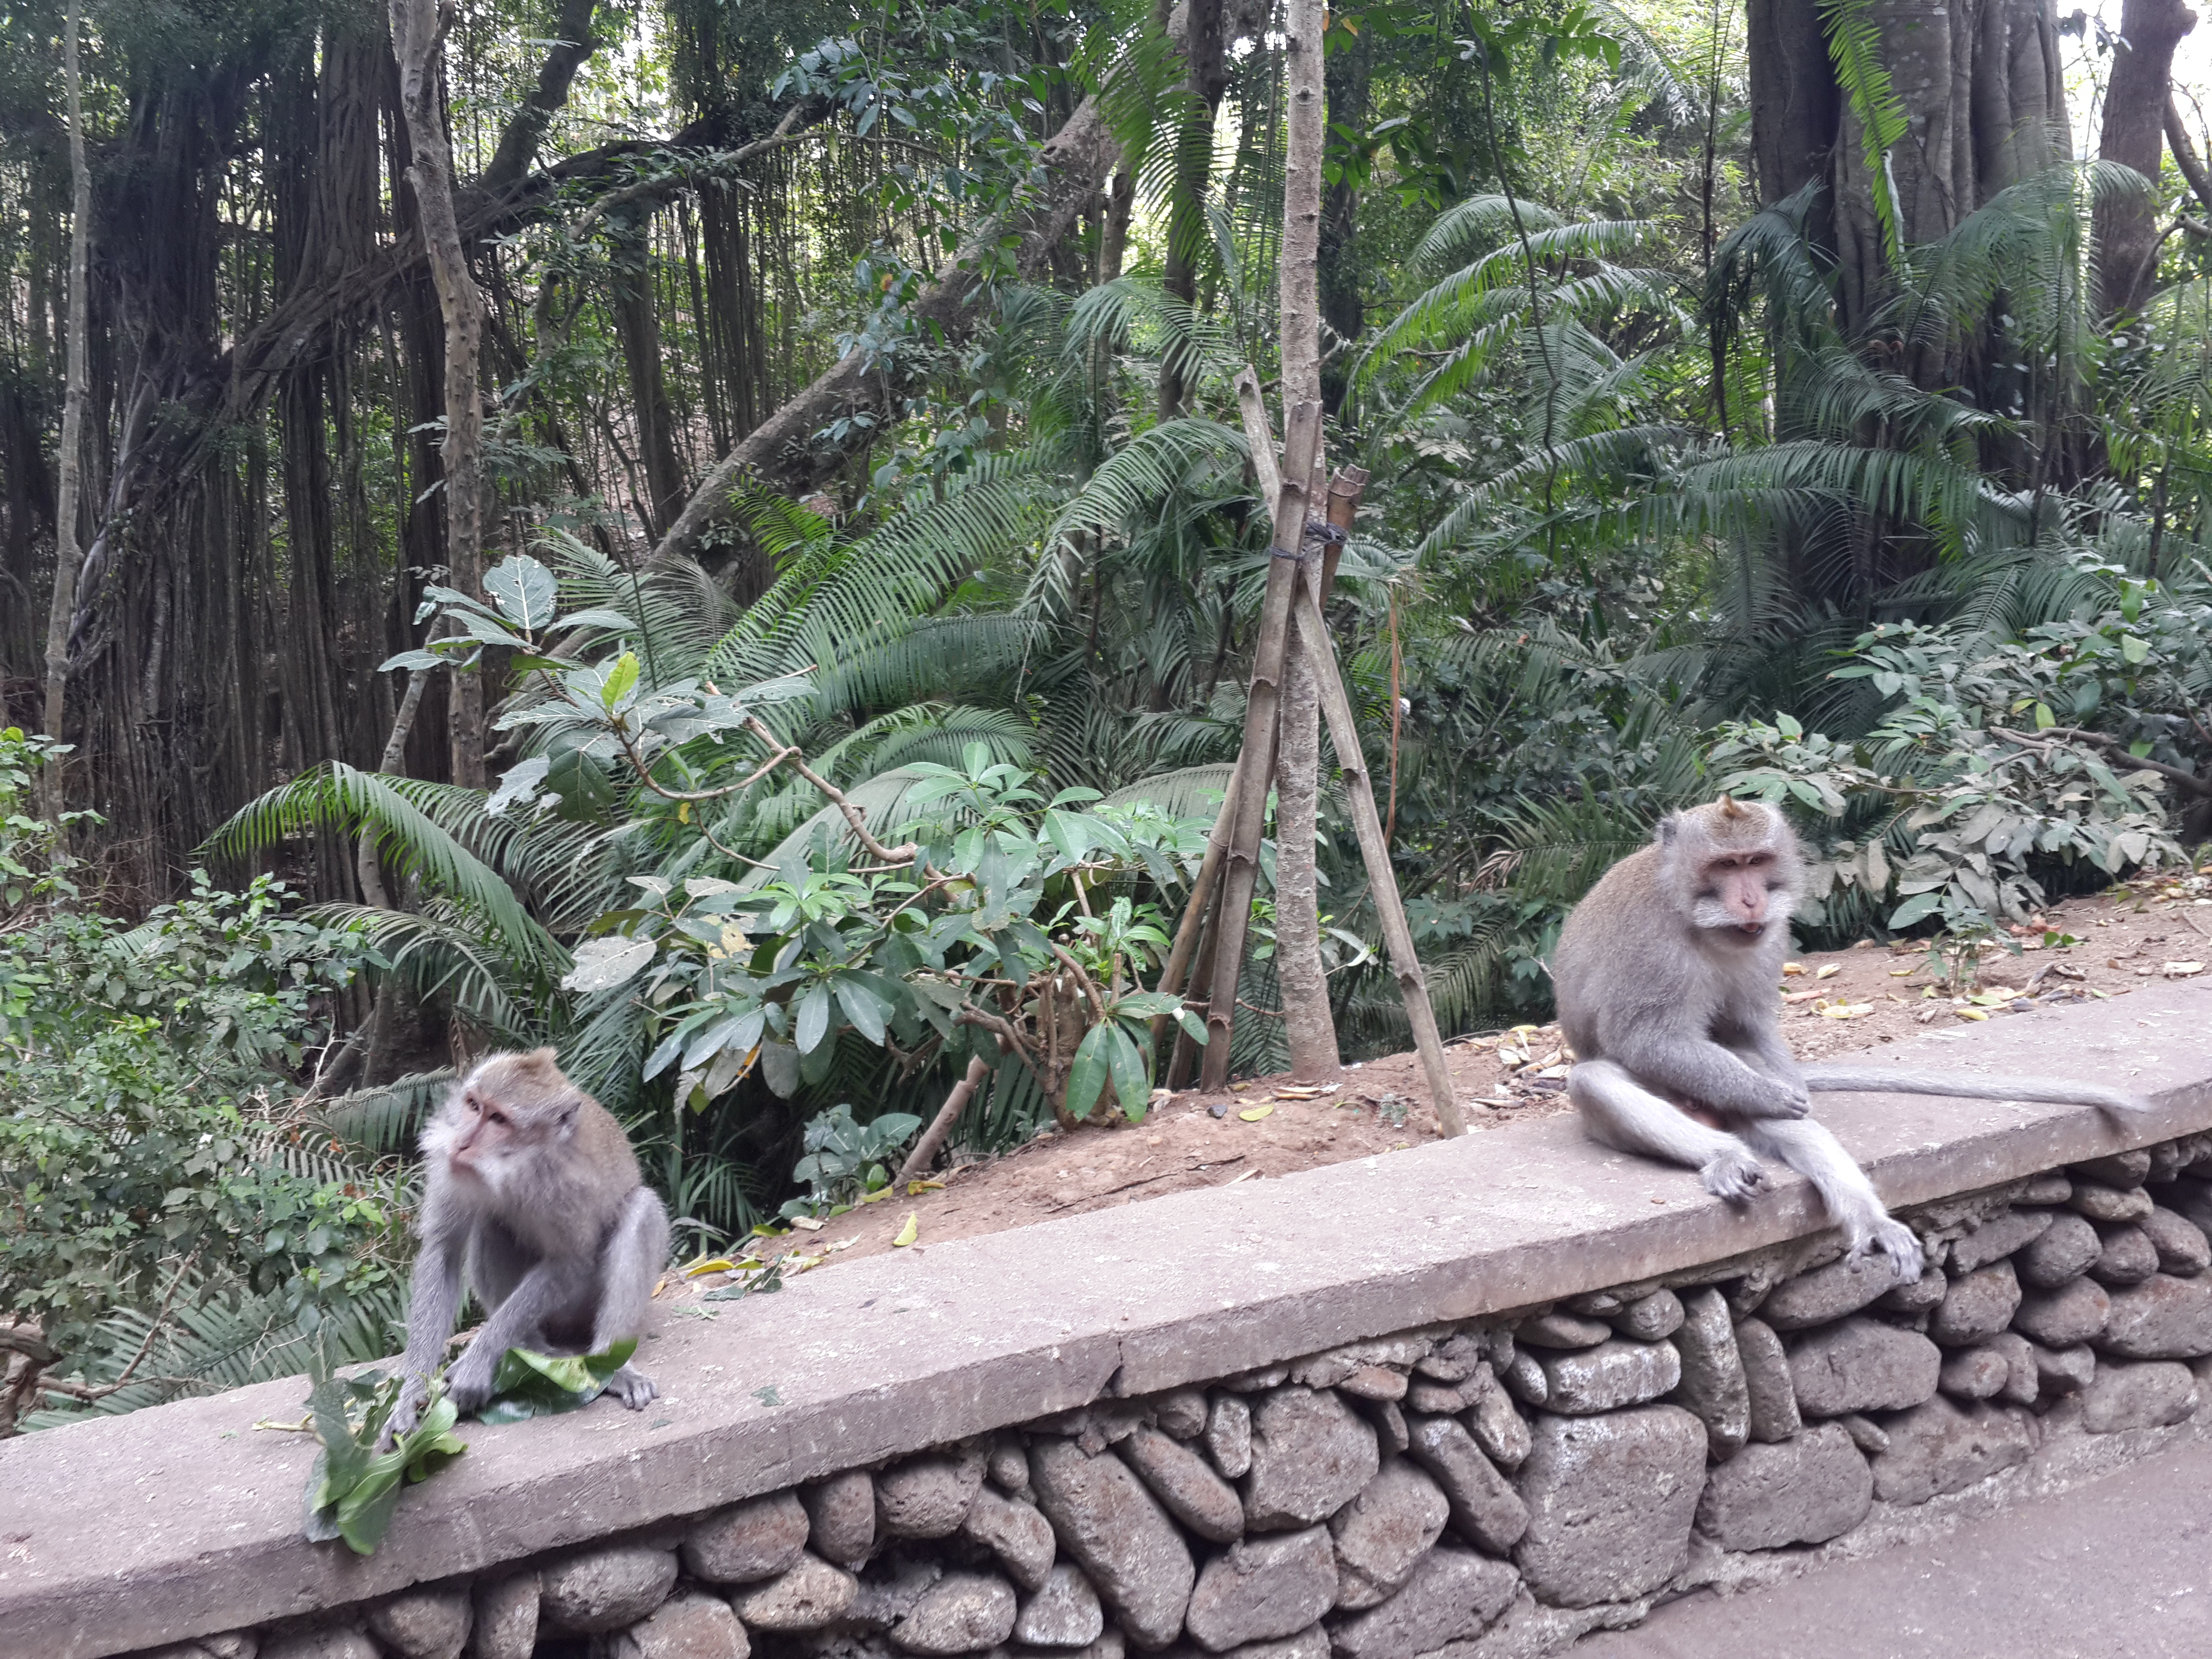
(1751, 929)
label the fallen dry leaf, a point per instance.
(1828, 969)
(909, 1233)
(1254, 1114)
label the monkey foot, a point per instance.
(633, 1387)
(1907, 1258)
(1734, 1175)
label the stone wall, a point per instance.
(1487, 1485)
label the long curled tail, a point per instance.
(1867, 1079)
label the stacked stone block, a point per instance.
(1385, 1499)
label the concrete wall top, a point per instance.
(192, 1510)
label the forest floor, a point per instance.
(1833, 1002)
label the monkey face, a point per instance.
(1737, 894)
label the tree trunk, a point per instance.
(418, 46)
(68, 553)
(637, 321)
(2134, 134)
(1206, 79)
(1346, 80)
(1308, 1026)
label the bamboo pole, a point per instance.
(1172, 976)
(1382, 881)
(1261, 708)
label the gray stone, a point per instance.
(1384, 1531)
(1712, 1387)
(1649, 1318)
(1110, 1645)
(2118, 1169)
(1452, 1595)
(1182, 1480)
(1868, 1435)
(1916, 1295)
(1228, 1436)
(1017, 1532)
(1524, 1378)
(1804, 1491)
(2182, 1250)
(886, 1597)
(1115, 1530)
(423, 1624)
(232, 1644)
(1258, 1380)
(1452, 1360)
(1826, 1293)
(1310, 1453)
(1612, 1374)
(1486, 1509)
(2190, 1200)
(1263, 1589)
(841, 1515)
(505, 1624)
(1610, 1503)
(2101, 1203)
(1500, 1430)
(1974, 1373)
(1007, 1468)
(1979, 1304)
(1180, 1413)
(1374, 1383)
(2162, 1318)
(1938, 1447)
(2128, 1257)
(1328, 1369)
(1389, 1423)
(2021, 1383)
(1561, 1329)
(2049, 1188)
(1063, 1613)
(2145, 1396)
(1862, 1366)
(753, 1540)
(2073, 1313)
(1449, 1399)
(331, 1642)
(961, 1613)
(1998, 1236)
(686, 1627)
(2060, 1254)
(1771, 1396)
(807, 1596)
(604, 1590)
(1311, 1642)
(2063, 1371)
(927, 1497)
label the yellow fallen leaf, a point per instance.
(915, 1188)
(842, 1244)
(1239, 1088)
(807, 1222)
(720, 1264)
(1793, 968)
(2183, 969)
(1827, 970)
(1799, 996)
(1903, 972)
(1847, 1010)
(1972, 1013)
(1298, 1091)
(909, 1233)
(1254, 1114)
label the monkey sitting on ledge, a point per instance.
(1665, 976)
(530, 1185)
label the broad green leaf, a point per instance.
(1914, 908)
(524, 590)
(2134, 649)
(518, 786)
(1133, 1078)
(1191, 1024)
(531, 1384)
(620, 678)
(412, 660)
(812, 1023)
(863, 1007)
(2043, 718)
(1087, 1074)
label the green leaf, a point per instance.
(620, 678)
(604, 964)
(531, 1384)
(1133, 1078)
(2043, 718)
(1088, 1073)
(812, 1023)
(524, 590)
(863, 1007)
(412, 659)
(1914, 908)
(1191, 1024)
(2133, 648)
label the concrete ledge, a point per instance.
(185, 1519)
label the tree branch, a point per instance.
(2175, 775)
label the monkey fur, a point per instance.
(1665, 976)
(532, 1190)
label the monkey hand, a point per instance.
(414, 1394)
(1777, 1097)
(468, 1384)
(1907, 1258)
(1732, 1174)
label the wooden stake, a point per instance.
(1382, 881)
(1261, 709)
(1172, 977)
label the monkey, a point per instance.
(1665, 977)
(532, 1189)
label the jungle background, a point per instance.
(718, 536)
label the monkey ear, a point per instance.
(1670, 827)
(1732, 808)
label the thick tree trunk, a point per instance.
(68, 554)
(637, 321)
(1308, 1025)
(2134, 134)
(418, 46)
(1341, 308)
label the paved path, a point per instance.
(2118, 1569)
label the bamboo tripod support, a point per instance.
(1214, 922)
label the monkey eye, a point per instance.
(499, 1117)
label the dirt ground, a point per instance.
(1833, 1002)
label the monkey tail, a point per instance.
(1867, 1079)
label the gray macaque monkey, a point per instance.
(1665, 976)
(530, 1187)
